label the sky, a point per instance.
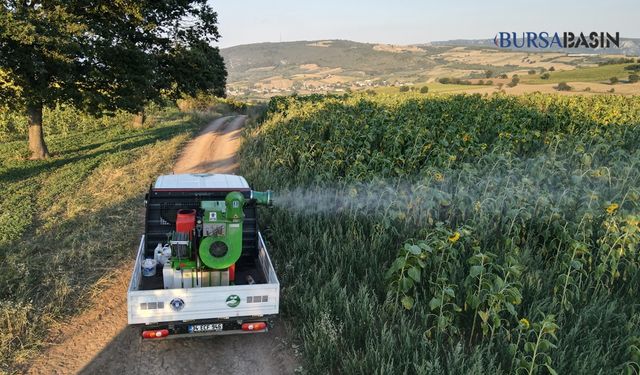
(413, 21)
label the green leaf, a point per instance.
(550, 369)
(473, 301)
(407, 302)
(414, 273)
(449, 291)
(415, 250)
(475, 270)
(483, 315)
(529, 347)
(511, 309)
(406, 284)
(435, 303)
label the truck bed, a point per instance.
(149, 303)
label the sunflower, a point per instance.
(525, 323)
(454, 237)
(613, 207)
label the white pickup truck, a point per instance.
(217, 277)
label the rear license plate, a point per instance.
(214, 327)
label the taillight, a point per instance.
(257, 326)
(155, 334)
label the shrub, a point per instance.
(488, 73)
(404, 88)
(587, 89)
(424, 90)
(444, 80)
(514, 81)
(633, 67)
(563, 86)
(504, 76)
(633, 78)
(545, 76)
(552, 69)
(613, 80)
(489, 83)
(531, 72)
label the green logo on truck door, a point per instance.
(233, 300)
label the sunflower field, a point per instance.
(460, 234)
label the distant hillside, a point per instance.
(366, 60)
(258, 71)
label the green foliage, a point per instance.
(404, 88)
(424, 89)
(63, 120)
(633, 67)
(208, 102)
(104, 56)
(613, 80)
(514, 81)
(633, 78)
(563, 86)
(545, 75)
(434, 227)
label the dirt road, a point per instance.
(99, 342)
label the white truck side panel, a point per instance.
(155, 306)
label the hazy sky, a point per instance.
(406, 22)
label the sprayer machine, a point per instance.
(202, 265)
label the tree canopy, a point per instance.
(103, 55)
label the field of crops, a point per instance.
(65, 222)
(459, 234)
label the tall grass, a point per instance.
(456, 235)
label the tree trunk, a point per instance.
(138, 119)
(37, 147)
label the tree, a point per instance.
(424, 89)
(101, 55)
(613, 80)
(563, 86)
(552, 69)
(633, 78)
(514, 81)
(545, 75)
(531, 71)
(488, 73)
(404, 88)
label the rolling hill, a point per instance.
(258, 71)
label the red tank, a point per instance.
(185, 221)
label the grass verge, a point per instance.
(68, 220)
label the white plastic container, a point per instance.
(149, 267)
(162, 254)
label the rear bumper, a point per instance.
(229, 327)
